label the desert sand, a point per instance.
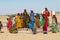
(27, 35)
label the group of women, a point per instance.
(32, 21)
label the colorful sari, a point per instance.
(45, 16)
(54, 24)
(18, 22)
(25, 20)
(9, 24)
(37, 22)
(42, 20)
(31, 24)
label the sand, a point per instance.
(27, 35)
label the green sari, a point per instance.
(25, 20)
(54, 26)
(42, 20)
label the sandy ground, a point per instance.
(27, 35)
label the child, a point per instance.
(1, 26)
(54, 23)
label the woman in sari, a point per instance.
(54, 23)
(32, 20)
(45, 15)
(9, 24)
(41, 19)
(25, 18)
(18, 22)
(31, 24)
(37, 22)
(22, 20)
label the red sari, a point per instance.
(9, 24)
(46, 15)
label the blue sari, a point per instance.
(31, 24)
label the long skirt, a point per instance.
(54, 26)
(19, 25)
(37, 22)
(45, 26)
(31, 25)
(42, 22)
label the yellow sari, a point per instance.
(18, 22)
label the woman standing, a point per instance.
(25, 18)
(32, 20)
(54, 23)
(18, 22)
(45, 15)
(31, 24)
(9, 24)
(42, 19)
(37, 22)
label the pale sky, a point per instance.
(14, 6)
